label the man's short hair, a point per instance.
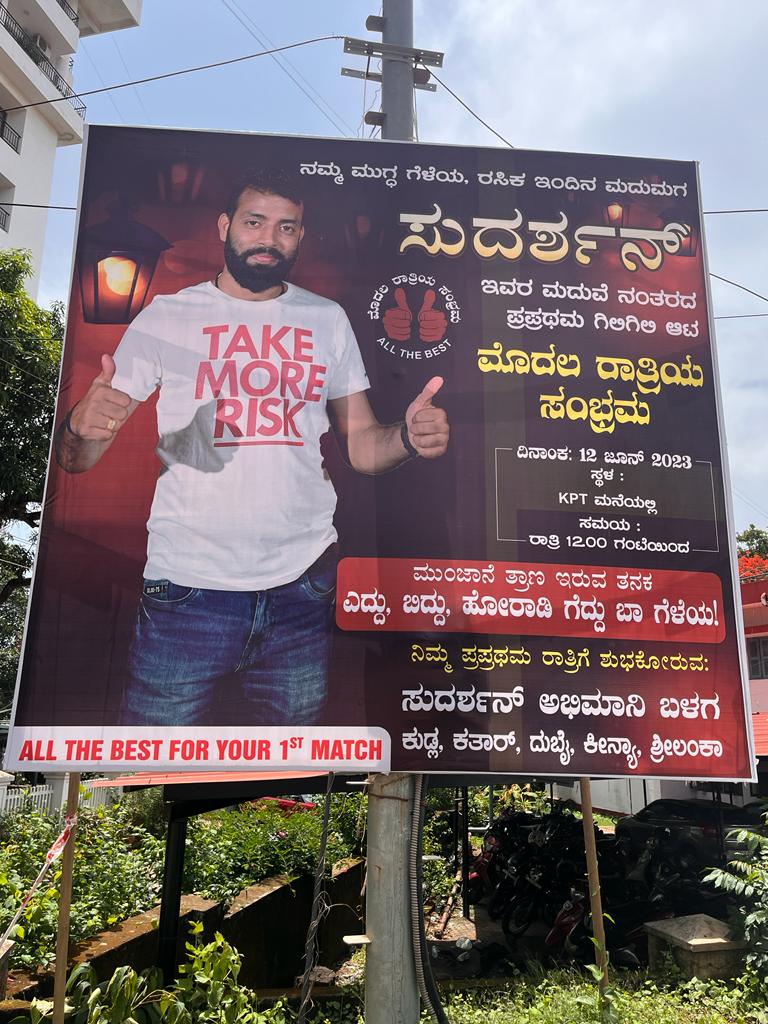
(269, 183)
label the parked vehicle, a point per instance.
(699, 828)
(294, 802)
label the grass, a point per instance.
(567, 997)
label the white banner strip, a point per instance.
(195, 748)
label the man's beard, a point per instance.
(257, 277)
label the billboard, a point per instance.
(511, 551)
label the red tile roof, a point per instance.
(162, 778)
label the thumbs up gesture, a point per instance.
(427, 424)
(103, 409)
(397, 320)
(432, 322)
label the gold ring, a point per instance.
(111, 424)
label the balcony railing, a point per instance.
(5, 216)
(8, 134)
(70, 13)
(31, 48)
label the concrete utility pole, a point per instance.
(391, 989)
(397, 75)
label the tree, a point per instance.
(752, 541)
(30, 353)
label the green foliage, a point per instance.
(531, 798)
(752, 541)
(15, 561)
(747, 879)
(146, 809)
(565, 997)
(30, 352)
(117, 873)
(119, 861)
(208, 993)
(30, 347)
(230, 850)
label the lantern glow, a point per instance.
(116, 263)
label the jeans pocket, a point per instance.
(320, 578)
(164, 593)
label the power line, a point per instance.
(175, 74)
(34, 398)
(741, 286)
(740, 316)
(38, 206)
(18, 565)
(431, 71)
(110, 97)
(748, 501)
(260, 36)
(17, 366)
(127, 71)
(711, 213)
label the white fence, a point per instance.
(39, 797)
(53, 798)
(99, 796)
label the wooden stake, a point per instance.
(65, 903)
(595, 901)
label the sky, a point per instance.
(681, 80)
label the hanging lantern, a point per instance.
(180, 181)
(616, 215)
(116, 263)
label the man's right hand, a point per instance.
(103, 410)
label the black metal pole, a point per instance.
(720, 825)
(456, 823)
(170, 905)
(465, 851)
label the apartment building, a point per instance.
(38, 40)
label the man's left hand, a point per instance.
(427, 424)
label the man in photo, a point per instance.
(237, 603)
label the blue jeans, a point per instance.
(219, 657)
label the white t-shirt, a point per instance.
(242, 501)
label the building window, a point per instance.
(5, 218)
(758, 658)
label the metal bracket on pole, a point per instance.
(408, 54)
(389, 51)
(420, 77)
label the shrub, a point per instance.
(117, 872)
(748, 881)
(119, 862)
(208, 993)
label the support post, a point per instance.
(465, 852)
(397, 75)
(170, 905)
(391, 992)
(65, 903)
(595, 900)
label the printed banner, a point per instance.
(385, 455)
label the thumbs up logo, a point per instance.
(399, 320)
(415, 315)
(432, 322)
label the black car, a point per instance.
(699, 828)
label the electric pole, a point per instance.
(391, 989)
